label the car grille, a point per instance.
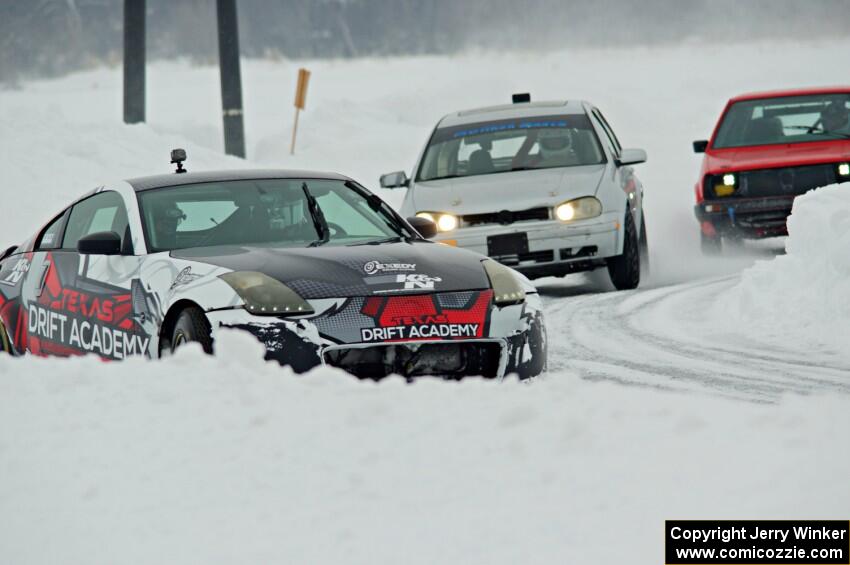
(777, 182)
(505, 217)
(451, 360)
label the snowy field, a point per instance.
(737, 384)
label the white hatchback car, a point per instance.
(543, 187)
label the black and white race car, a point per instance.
(315, 266)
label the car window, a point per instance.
(51, 236)
(104, 211)
(502, 146)
(350, 212)
(269, 212)
(615, 143)
(788, 119)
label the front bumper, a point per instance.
(554, 247)
(513, 342)
(752, 218)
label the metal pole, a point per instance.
(134, 61)
(231, 78)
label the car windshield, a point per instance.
(271, 212)
(542, 142)
(791, 119)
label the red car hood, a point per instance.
(773, 156)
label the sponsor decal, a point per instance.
(83, 333)
(423, 331)
(421, 318)
(412, 281)
(66, 321)
(184, 277)
(17, 272)
(375, 267)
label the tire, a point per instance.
(537, 344)
(711, 246)
(624, 269)
(5, 342)
(191, 326)
(644, 247)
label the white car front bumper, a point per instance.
(553, 245)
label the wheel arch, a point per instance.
(170, 318)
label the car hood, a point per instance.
(772, 156)
(518, 190)
(386, 269)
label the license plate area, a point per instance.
(507, 244)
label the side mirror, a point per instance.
(631, 157)
(397, 179)
(424, 226)
(700, 145)
(100, 243)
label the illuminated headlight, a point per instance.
(844, 169)
(266, 296)
(506, 287)
(729, 179)
(578, 209)
(445, 222)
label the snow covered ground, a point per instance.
(198, 460)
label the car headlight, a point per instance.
(844, 170)
(578, 209)
(266, 296)
(506, 287)
(445, 222)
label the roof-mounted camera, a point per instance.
(521, 98)
(177, 158)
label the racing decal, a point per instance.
(401, 283)
(13, 275)
(184, 277)
(83, 317)
(375, 267)
(423, 317)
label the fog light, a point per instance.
(844, 169)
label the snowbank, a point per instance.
(202, 460)
(802, 296)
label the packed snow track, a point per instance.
(660, 338)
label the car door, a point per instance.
(624, 176)
(83, 303)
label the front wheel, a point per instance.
(191, 326)
(624, 269)
(534, 351)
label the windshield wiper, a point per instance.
(394, 239)
(318, 217)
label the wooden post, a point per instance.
(300, 102)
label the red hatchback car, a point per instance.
(766, 149)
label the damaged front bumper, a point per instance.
(511, 341)
(745, 217)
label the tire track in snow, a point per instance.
(652, 338)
